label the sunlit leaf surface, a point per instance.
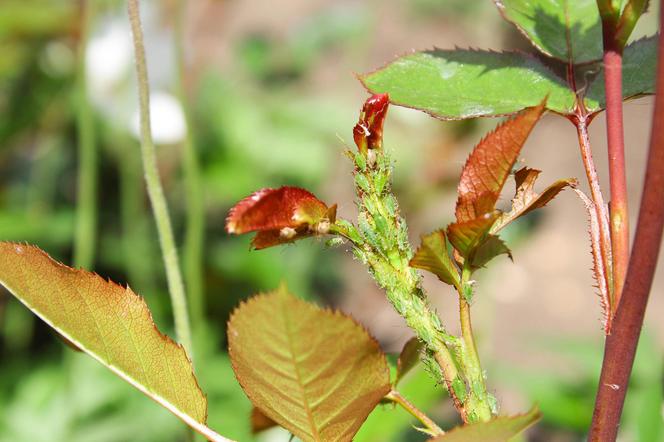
(315, 372)
(110, 323)
(433, 256)
(457, 84)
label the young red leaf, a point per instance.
(526, 199)
(315, 372)
(368, 132)
(110, 323)
(467, 236)
(491, 162)
(500, 429)
(408, 358)
(601, 269)
(434, 257)
(280, 216)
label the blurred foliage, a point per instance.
(255, 125)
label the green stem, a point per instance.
(397, 398)
(155, 191)
(478, 401)
(86, 207)
(195, 227)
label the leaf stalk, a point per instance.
(397, 398)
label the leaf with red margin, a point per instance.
(315, 372)
(280, 216)
(110, 323)
(499, 429)
(491, 162)
(368, 132)
(526, 199)
(433, 256)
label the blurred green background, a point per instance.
(270, 95)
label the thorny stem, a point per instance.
(86, 207)
(581, 122)
(622, 342)
(195, 229)
(617, 176)
(397, 398)
(155, 191)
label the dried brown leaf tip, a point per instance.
(368, 132)
(280, 216)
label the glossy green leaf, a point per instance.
(457, 84)
(433, 256)
(110, 323)
(315, 372)
(486, 170)
(408, 358)
(526, 199)
(569, 30)
(639, 68)
(500, 429)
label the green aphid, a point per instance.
(362, 183)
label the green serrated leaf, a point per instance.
(639, 74)
(433, 256)
(315, 372)
(564, 29)
(458, 84)
(500, 429)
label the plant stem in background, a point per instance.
(616, 149)
(195, 225)
(86, 206)
(431, 426)
(155, 191)
(622, 342)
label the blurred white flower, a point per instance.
(166, 119)
(108, 59)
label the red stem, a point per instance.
(621, 343)
(617, 176)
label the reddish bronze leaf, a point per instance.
(526, 199)
(467, 236)
(491, 162)
(111, 324)
(315, 372)
(368, 132)
(280, 216)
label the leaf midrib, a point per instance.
(296, 368)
